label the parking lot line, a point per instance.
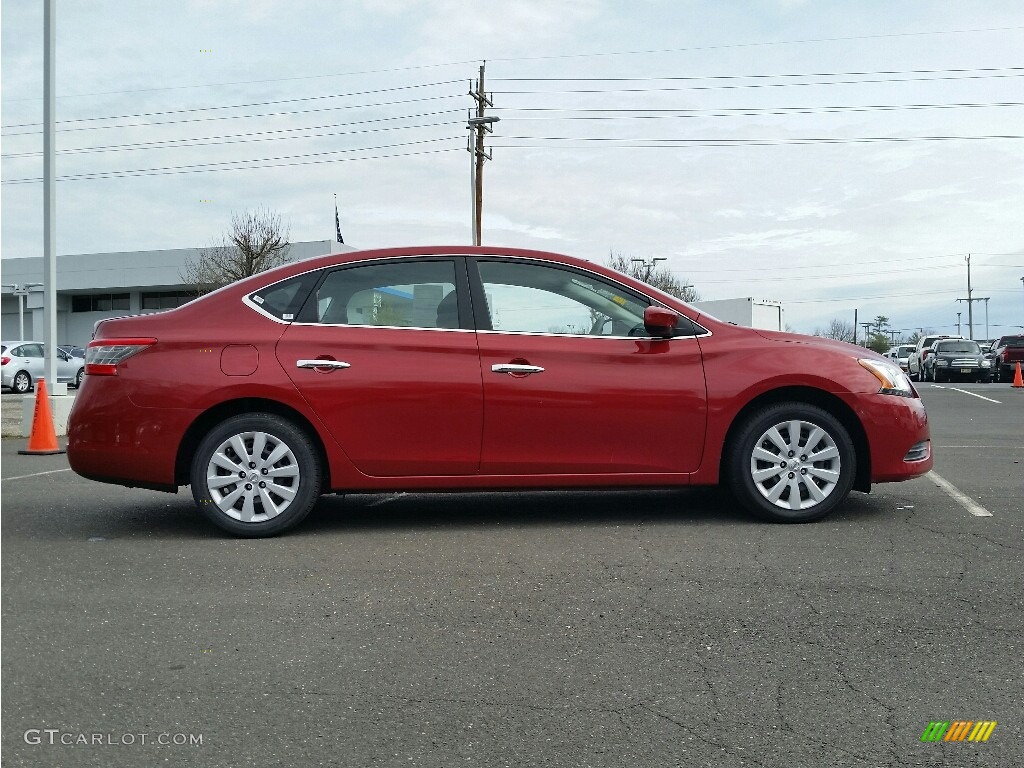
(972, 394)
(35, 474)
(955, 493)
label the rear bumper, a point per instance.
(114, 441)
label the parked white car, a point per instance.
(23, 363)
(900, 354)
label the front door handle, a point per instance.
(516, 369)
(321, 364)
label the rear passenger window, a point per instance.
(401, 294)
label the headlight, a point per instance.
(986, 363)
(942, 362)
(892, 379)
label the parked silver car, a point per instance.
(23, 363)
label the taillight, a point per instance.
(103, 356)
(4, 360)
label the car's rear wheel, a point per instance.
(78, 378)
(791, 462)
(22, 382)
(256, 475)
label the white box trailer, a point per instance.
(748, 312)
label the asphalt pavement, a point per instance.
(658, 628)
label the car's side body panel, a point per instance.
(423, 409)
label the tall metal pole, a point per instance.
(986, 314)
(970, 304)
(958, 323)
(50, 192)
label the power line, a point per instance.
(678, 143)
(726, 46)
(241, 106)
(664, 113)
(673, 89)
(648, 78)
(238, 138)
(266, 162)
(246, 117)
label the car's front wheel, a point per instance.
(78, 378)
(22, 383)
(791, 462)
(256, 475)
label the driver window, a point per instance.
(534, 298)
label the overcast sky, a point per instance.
(727, 137)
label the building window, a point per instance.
(99, 302)
(166, 299)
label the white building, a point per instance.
(94, 286)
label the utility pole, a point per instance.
(958, 323)
(479, 125)
(867, 331)
(648, 265)
(970, 303)
(986, 314)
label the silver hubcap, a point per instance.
(795, 465)
(21, 382)
(253, 477)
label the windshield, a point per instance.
(959, 347)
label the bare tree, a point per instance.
(840, 330)
(660, 277)
(255, 243)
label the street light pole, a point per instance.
(50, 194)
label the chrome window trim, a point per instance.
(535, 259)
(589, 336)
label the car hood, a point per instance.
(818, 342)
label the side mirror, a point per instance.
(660, 322)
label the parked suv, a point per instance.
(915, 363)
(957, 359)
(1006, 353)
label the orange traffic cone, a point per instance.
(1018, 382)
(43, 439)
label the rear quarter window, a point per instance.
(283, 300)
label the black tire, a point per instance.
(262, 496)
(833, 442)
(936, 377)
(22, 383)
(78, 378)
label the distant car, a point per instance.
(901, 354)
(957, 359)
(23, 363)
(1006, 352)
(460, 367)
(916, 361)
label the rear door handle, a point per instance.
(516, 368)
(321, 364)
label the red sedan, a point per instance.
(476, 368)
